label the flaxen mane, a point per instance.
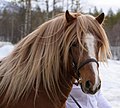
(38, 57)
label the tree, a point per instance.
(27, 17)
(75, 5)
(95, 11)
(110, 18)
(47, 9)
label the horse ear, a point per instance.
(100, 18)
(69, 17)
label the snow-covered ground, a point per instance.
(110, 75)
(5, 50)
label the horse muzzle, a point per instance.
(89, 88)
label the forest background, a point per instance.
(20, 17)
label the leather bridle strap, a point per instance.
(86, 62)
(75, 101)
(82, 64)
(77, 73)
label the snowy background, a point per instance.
(110, 75)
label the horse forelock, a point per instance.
(89, 24)
(38, 56)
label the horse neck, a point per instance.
(66, 83)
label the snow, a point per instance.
(5, 50)
(110, 76)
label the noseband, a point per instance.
(82, 64)
(77, 73)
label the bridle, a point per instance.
(77, 68)
(77, 72)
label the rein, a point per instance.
(75, 101)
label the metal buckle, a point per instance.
(79, 81)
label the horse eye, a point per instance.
(74, 45)
(99, 44)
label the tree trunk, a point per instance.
(27, 17)
(47, 9)
(53, 13)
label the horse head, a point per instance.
(84, 50)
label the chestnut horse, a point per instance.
(40, 71)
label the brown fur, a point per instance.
(38, 73)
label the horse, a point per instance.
(44, 65)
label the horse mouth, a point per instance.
(90, 91)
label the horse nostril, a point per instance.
(88, 84)
(99, 86)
